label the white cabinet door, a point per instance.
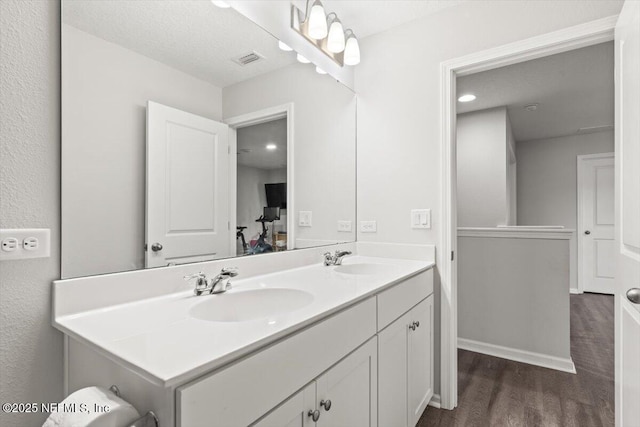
(392, 373)
(351, 387)
(420, 359)
(187, 187)
(294, 412)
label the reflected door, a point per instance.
(596, 210)
(187, 212)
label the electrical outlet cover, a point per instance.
(24, 243)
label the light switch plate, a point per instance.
(421, 218)
(24, 243)
(304, 219)
(344, 226)
(368, 226)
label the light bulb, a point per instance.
(317, 21)
(302, 59)
(284, 46)
(320, 70)
(467, 98)
(335, 41)
(352, 51)
(271, 146)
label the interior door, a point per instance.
(596, 223)
(350, 387)
(420, 364)
(294, 412)
(187, 214)
(627, 343)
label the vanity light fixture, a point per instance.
(468, 97)
(302, 59)
(220, 4)
(284, 46)
(352, 49)
(329, 37)
(335, 39)
(271, 147)
(320, 70)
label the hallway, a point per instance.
(499, 392)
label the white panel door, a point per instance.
(420, 363)
(187, 214)
(294, 412)
(351, 387)
(596, 222)
(627, 342)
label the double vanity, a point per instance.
(334, 345)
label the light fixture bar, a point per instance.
(300, 24)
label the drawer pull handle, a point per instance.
(315, 415)
(326, 404)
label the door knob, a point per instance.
(315, 415)
(633, 295)
(326, 404)
(156, 247)
(587, 232)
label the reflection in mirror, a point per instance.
(170, 114)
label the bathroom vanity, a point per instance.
(313, 345)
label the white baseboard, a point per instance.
(538, 359)
(574, 291)
(435, 401)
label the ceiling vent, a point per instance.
(594, 129)
(247, 58)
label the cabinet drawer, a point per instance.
(239, 394)
(396, 301)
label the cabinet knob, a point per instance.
(412, 326)
(326, 404)
(315, 415)
(587, 232)
(417, 324)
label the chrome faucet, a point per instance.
(336, 258)
(220, 283)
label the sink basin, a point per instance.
(365, 269)
(250, 305)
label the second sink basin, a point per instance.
(365, 269)
(250, 305)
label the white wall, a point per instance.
(506, 299)
(104, 147)
(30, 349)
(482, 160)
(398, 86)
(324, 143)
(547, 180)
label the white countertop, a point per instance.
(158, 339)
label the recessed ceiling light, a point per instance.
(220, 4)
(284, 46)
(320, 70)
(302, 59)
(531, 107)
(271, 146)
(467, 98)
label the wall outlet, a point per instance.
(421, 218)
(304, 219)
(368, 226)
(24, 243)
(344, 226)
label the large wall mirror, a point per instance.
(188, 135)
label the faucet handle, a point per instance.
(198, 275)
(229, 271)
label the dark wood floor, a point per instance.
(499, 392)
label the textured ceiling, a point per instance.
(252, 141)
(573, 89)
(193, 36)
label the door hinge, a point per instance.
(452, 256)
